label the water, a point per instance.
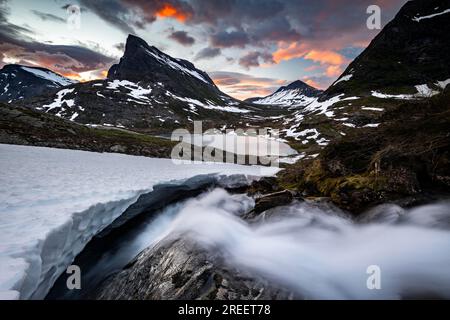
(321, 253)
(254, 145)
(314, 250)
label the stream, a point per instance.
(311, 248)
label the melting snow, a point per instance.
(344, 78)
(418, 19)
(136, 91)
(372, 109)
(322, 107)
(423, 91)
(372, 125)
(74, 116)
(443, 84)
(53, 201)
(209, 105)
(59, 101)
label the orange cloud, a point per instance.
(169, 11)
(330, 60)
(325, 57)
(242, 86)
(294, 50)
(333, 71)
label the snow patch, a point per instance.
(372, 109)
(344, 78)
(423, 91)
(136, 92)
(418, 19)
(443, 84)
(53, 201)
(322, 107)
(59, 101)
(50, 76)
(208, 105)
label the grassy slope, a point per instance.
(27, 127)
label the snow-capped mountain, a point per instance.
(407, 61)
(296, 94)
(19, 82)
(147, 90)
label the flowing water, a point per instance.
(313, 249)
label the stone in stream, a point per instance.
(178, 269)
(182, 270)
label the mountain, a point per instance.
(407, 61)
(149, 91)
(297, 93)
(19, 82)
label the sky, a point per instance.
(248, 47)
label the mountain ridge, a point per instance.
(297, 93)
(20, 82)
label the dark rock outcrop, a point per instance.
(269, 201)
(180, 270)
(411, 50)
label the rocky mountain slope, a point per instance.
(407, 61)
(296, 94)
(19, 82)
(407, 157)
(147, 91)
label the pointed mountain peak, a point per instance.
(142, 62)
(298, 84)
(297, 93)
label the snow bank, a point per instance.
(52, 202)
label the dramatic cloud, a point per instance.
(149, 11)
(314, 35)
(208, 53)
(113, 12)
(48, 16)
(170, 11)
(182, 37)
(17, 45)
(243, 86)
(226, 39)
(253, 59)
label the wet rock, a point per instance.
(179, 269)
(270, 201)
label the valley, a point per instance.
(103, 174)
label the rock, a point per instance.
(270, 201)
(263, 186)
(180, 270)
(118, 148)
